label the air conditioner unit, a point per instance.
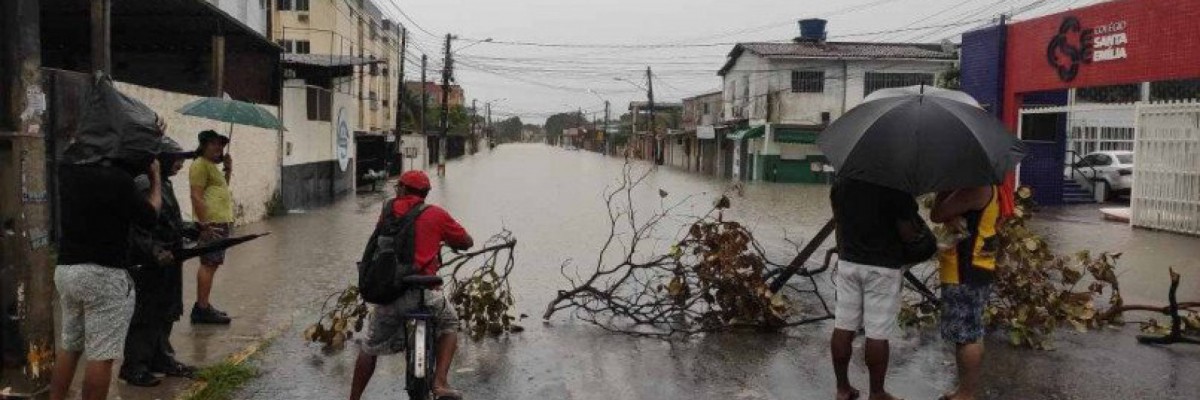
(302, 17)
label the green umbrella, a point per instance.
(231, 111)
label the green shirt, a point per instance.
(218, 200)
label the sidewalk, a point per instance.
(257, 289)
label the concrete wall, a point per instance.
(420, 142)
(312, 174)
(844, 86)
(843, 90)
(255, 152)
(253, 13)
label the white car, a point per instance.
(1111, 171)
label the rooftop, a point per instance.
(328, 60)
(839, 51)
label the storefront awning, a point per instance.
(749, 133)
(793, 135)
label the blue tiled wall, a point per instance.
(982, 66)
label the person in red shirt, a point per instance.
(386, 335)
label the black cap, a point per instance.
(210, 135)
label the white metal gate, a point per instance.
(1166, 189)
(1100, 127)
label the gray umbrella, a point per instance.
(921, 141)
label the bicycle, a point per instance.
(420, 347)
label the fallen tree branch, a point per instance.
(711, 277)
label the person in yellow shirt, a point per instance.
(967, 270)
(212, 207)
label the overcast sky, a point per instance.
(593, 43)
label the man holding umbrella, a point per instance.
(212, 207)
(898, 144)
(212, 202)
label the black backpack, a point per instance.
(389, 256)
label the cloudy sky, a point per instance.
(549, 56)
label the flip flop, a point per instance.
(854, 394)
(449, 395)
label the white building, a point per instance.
(781, 95)
(252, 13)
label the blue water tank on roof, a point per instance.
(812, 29)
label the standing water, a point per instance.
(552, 201)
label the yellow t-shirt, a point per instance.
(218, 200)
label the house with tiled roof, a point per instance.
(779, 95)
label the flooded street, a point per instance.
(551, 200)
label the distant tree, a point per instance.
(558, 122)
(950, 79)
(508, 130)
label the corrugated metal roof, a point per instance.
(841, 50)
(328, 60)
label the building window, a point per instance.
(704, 106)
(884, 80)
(808, 81)
(746, 87)
(295, 46)
(320, 104)
(290, 5)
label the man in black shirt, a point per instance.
(871, 221)
(99, 203)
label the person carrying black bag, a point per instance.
(416, 242)
(159, 282)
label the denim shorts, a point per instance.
(962, 312)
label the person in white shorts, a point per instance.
(868, 277)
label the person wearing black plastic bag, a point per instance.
(159, 282)
(117, 139)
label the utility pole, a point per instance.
(489, 122)
(658, 159)
(399, 142)
(101, 18)
(424, 97)
(474, 116)
(400, 87)
(446, 72)
(26, 272)
(606, 140)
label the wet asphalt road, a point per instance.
(550, 199)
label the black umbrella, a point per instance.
(920, 140)
(220, 244)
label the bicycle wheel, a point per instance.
(418, 389)
(418, 383)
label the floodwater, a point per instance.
(551, 200)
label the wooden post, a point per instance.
(26, 275)
(218, 65)
(445, 122)
(101, 16)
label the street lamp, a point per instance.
(488, 40)
(619, 79)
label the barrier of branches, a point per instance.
(711, 278)
(1037, 291)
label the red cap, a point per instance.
(415, 179)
